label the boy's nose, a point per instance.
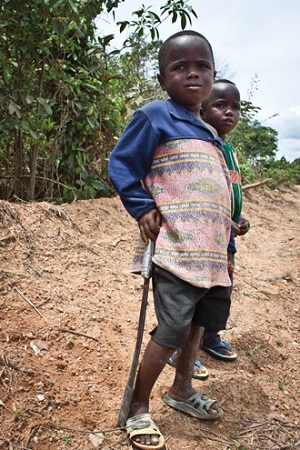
(192, 74)
(228, 112)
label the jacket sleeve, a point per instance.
(130, 162)
(231, 246)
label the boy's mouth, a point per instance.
(193, 86)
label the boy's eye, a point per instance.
(204, 66)
(179, 67)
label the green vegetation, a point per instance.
(65, 98)
(256, 146)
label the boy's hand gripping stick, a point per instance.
(127, 396)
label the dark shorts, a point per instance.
(178, 304)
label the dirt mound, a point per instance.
(69, 311)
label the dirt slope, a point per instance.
(68, 318)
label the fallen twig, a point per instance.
(5, 407)
(74, 430)
(6, 273)
(270, 432)
(255, 185)
(30, 303)
(117, 241)
(7, 239)
(76, 333)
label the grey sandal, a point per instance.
(198, 405)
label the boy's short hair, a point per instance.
(217, 81)
(224, 80)
(165, 47)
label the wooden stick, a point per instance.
(30, 303)
(255, 185)
(8, 239)
(76, 333)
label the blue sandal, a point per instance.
(200, 371)
(215, 350)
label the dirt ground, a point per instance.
(69, 311)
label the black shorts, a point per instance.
(178, 304)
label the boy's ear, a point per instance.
(161, 81)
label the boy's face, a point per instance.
(222, 109)
(188, 72)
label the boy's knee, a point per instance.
(175, 338)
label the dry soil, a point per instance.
(69, 310)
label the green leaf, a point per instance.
(33, 134)
(29, 99)
(123, 25)
(99, 185)
(25, 125)
(155, 18)
(6, 75)
(14, 109)
(183, 22)
(90, 86)
(90, 122)
(73, 7)
(89, 192)
(45, 105)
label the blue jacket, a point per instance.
(155, 123)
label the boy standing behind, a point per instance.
(222, 111)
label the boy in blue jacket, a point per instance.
(170, 172)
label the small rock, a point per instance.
(96, 438)
(37, 346)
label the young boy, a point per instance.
(183, 205)
(222, 110)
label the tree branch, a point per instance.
(255, 185)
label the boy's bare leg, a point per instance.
(182, 388)
(154, 360)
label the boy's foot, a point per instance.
(143, 432)
(200, 371)
(198, 405)
(221, 351)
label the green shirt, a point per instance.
(236, 182)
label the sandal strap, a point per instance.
(221, 344)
